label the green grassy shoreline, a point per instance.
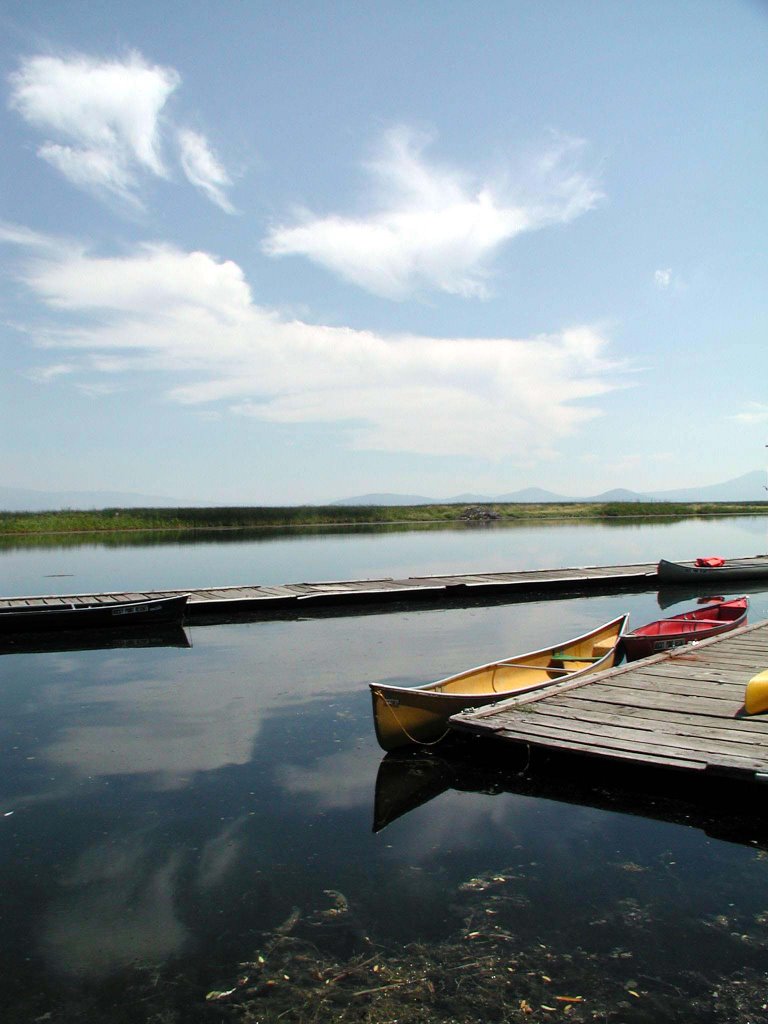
(113, 520)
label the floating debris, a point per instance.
(632, 867)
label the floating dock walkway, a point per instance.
(220, 602)
(212, 604)
(681, 709)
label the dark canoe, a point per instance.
(67, 614)
(677, 630)
(741, 569)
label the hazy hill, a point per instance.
(15, 499)
(533, 495)
(749, 487)
(395, 499)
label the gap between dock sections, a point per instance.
(221, 603)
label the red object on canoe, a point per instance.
(677, 630)
(713, 562)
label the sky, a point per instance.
(280, 253)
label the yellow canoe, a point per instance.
(420, 714)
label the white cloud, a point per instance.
(434, 227)
(191, 319)
(755, 412)
(107, 111)
(99, 390)
(156, 279)
(44, 374)
(105, 122)
(95, 169)
(663, 278)
(17, 234)
(203, 169)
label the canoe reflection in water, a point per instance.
(723, 808)
(61, 640)
(668, 597)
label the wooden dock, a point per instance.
(222, 602)
(681, 709)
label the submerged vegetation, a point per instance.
(123, 519)
(323, 966)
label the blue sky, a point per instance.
(273, 253)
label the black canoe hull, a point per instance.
(117, 615)
(675, 573)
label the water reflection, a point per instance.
(167, 723)
(722, 808)
(97, 640)
(669, 597)
(114, 907)
(182, 561)
(264, 534)
(165, 807)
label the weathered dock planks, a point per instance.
(445, 589)
(681, 709)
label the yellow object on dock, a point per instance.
(756, 697)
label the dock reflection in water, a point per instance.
(723, 809)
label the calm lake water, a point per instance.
(170, 814)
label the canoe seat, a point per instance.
(604, 647)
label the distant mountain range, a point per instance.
(14, 499)
(749, 487)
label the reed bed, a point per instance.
(243, 517)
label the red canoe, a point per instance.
(677, 630)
